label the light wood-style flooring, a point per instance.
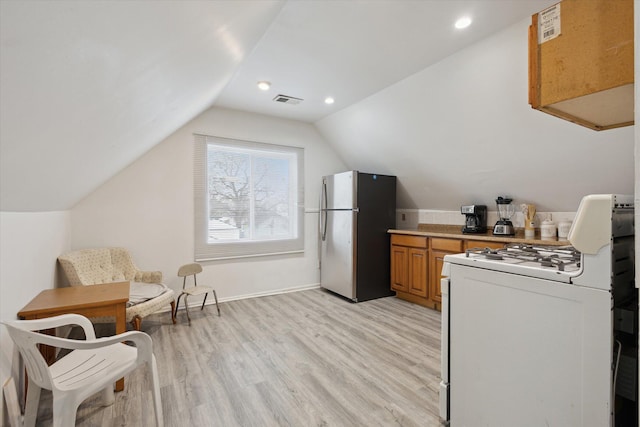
(305, 358)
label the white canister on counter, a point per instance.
(529, 230)
(548, 228)
(563, 229)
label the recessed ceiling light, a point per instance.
(329, 100)
(463, 22)
(264, 85)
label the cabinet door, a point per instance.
(435, 267)
(399, 268)
(418, 272)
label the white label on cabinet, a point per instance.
(549, 24)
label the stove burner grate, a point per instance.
(558, 257)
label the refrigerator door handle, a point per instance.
(323, 212)
(320, 212)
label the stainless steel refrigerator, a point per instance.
(356, 210)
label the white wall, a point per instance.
(462, 132)
(30, 245)
(148, 207)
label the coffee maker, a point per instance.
(476, 219)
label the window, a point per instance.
(249, 198)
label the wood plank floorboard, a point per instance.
(307, 358)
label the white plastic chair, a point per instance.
(192, 270)
(93, 365)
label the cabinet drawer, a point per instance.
(405, 240)
(484, 244)
(449, 245)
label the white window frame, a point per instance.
(206, 250)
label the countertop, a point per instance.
(455, 232)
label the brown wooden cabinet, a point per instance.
(399, 267)
(409, 268)
(435, 265)
(582, 70)
(416, 265)
(418, 272)
(440, 248)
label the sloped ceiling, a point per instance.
(461, 132)
(351, 49)
(88, 87)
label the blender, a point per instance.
(504, 226)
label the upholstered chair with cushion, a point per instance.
(108, 265)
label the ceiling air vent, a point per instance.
(285, 99)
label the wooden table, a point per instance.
(109, 299)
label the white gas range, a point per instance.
(536, 336)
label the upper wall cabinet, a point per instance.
(581, 62)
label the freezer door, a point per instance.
(337, 271)
(339, 191)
